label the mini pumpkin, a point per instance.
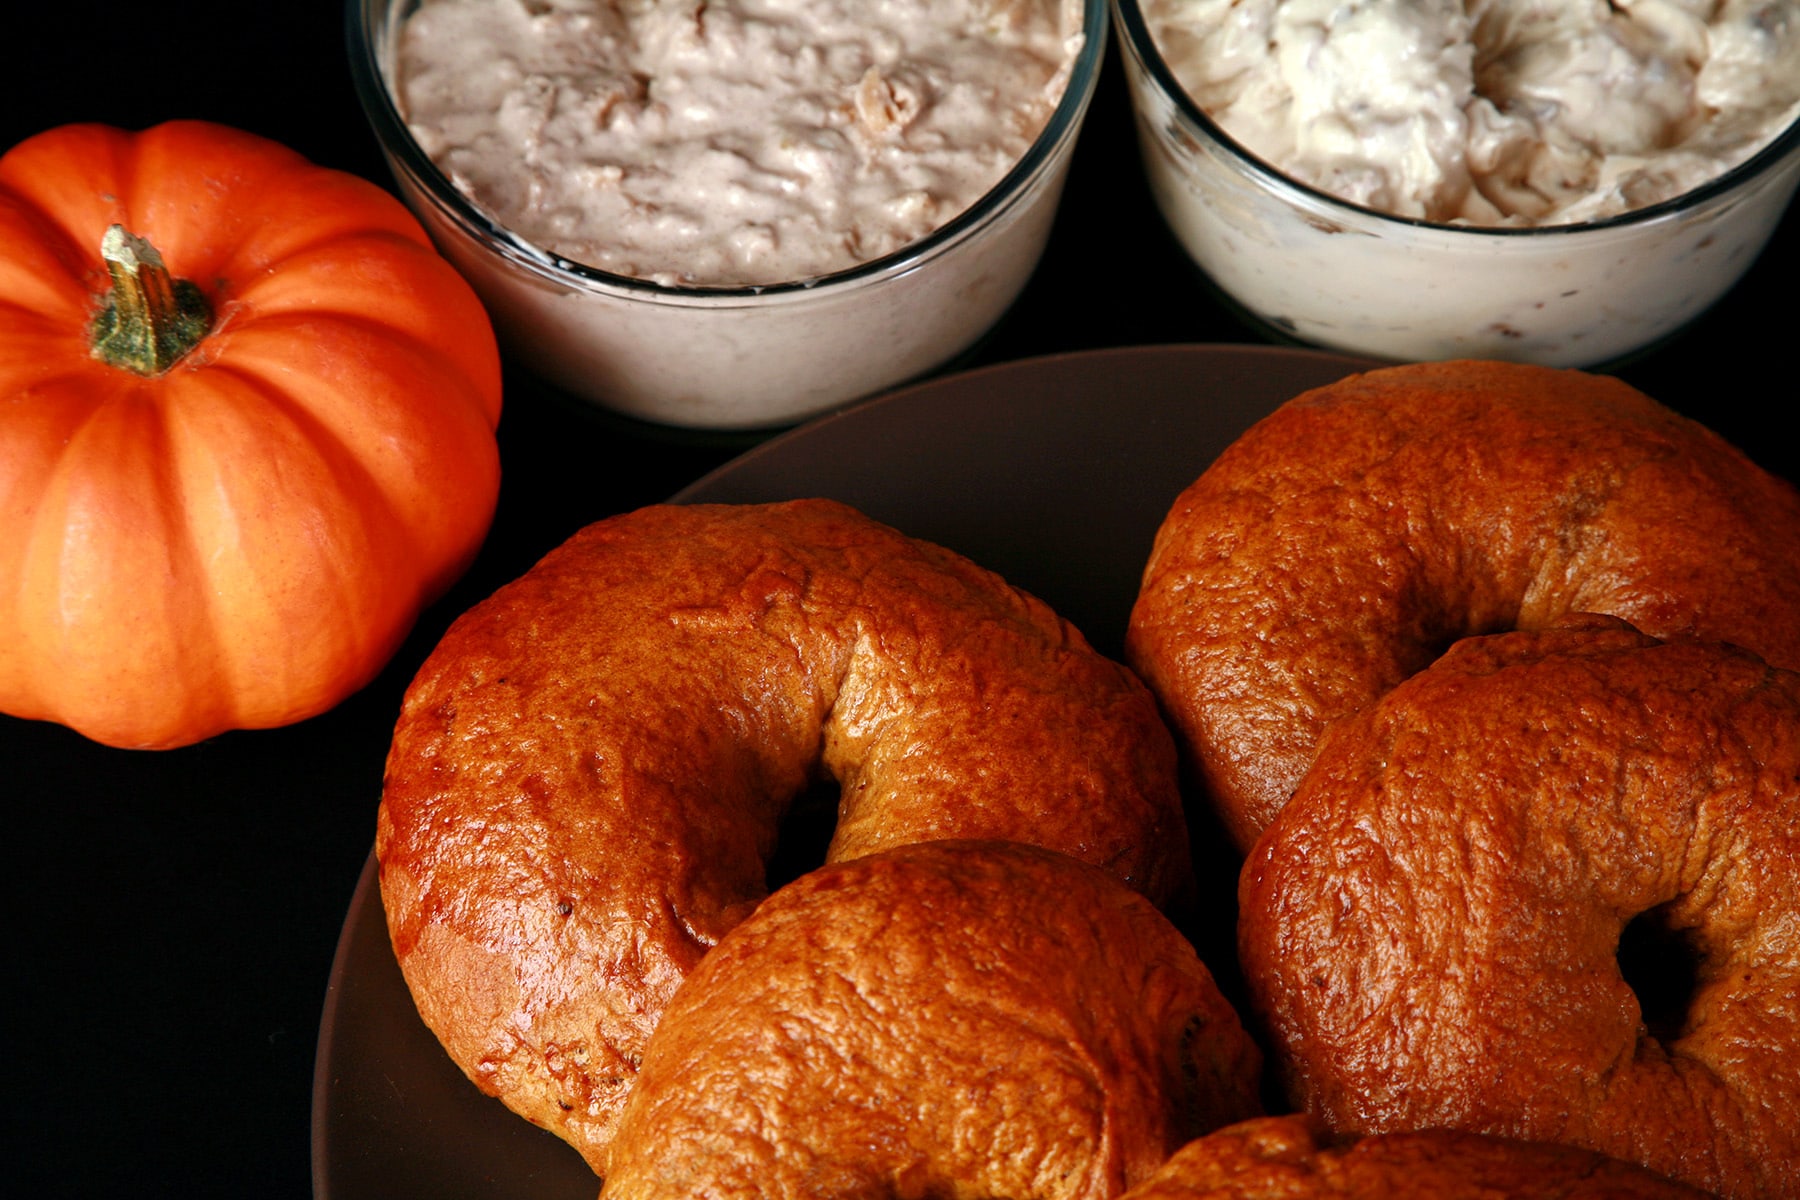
(246, 431)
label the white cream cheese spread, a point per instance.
(730, 142)
(1491, 112)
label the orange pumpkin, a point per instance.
(233, 521)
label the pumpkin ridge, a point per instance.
(268, 304)
(80, 495)
(36, 173)
(35, 253)
(25, 335)
(434, 531)
(347, 622)
(367, 324)
(258, 257)
(340, 457)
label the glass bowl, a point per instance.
(735, 358)
(1327, 272)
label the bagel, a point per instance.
(1431, 928)
(1293, 1158)
(943, 1019)
(1342, 542)
(589, 773)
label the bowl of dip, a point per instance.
(698, 216)
(1565, 184)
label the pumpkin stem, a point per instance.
(149, 320)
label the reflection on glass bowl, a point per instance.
(735, 357)
(1340, 275)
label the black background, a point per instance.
(171, 917)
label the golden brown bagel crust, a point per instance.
(1345, 540)
(944, 1019)
(1293, 1158)
(587, 775)
(1430, 927)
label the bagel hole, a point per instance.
(803, 835)
(1661, 965)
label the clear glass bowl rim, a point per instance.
(1135, 33)
(398, 143)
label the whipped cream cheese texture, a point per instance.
(730, 142)
(1492, 112)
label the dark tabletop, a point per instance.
(174, 914)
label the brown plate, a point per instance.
(1053, 471)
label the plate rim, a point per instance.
(1177, 357)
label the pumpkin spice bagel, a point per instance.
(942, 1019)
(1431, 928)
(1293, 1157)
(1341, 543)
(589, 773)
